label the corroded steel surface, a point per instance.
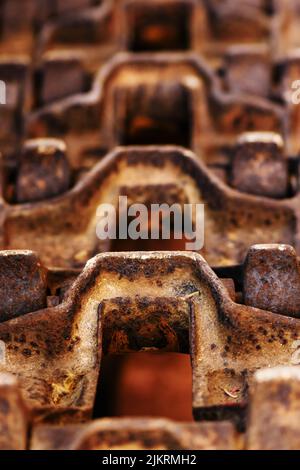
(161, 101)
(63, 230)
(132, 302)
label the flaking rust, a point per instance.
(84, 77)
(272, 424)
(56, 351)
(274, 407)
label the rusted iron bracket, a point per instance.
(127, 302)
(70, 51)
(122, 109)
(63, 229)
(272, 424)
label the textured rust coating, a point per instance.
(23, 284)
(137, 434)
(272, 279)
(63, 230)
(182, 299)
(161, 101)
(275, 409)
(259, 166)
(43, 171)
(13, 413)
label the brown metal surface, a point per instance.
(183, 307)
(161, 101)
(63, 230)
(274, 412)
(142, 99)
(272, 424)
(139, 434)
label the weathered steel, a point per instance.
(43, 171)
(23, 284)
(137, 434)
(67, 87)
(259, 166)
(272, 279)
(162, 98)
(63, 230)
(13, 414)
(272, 423)
(275, 409)
(132, 302)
